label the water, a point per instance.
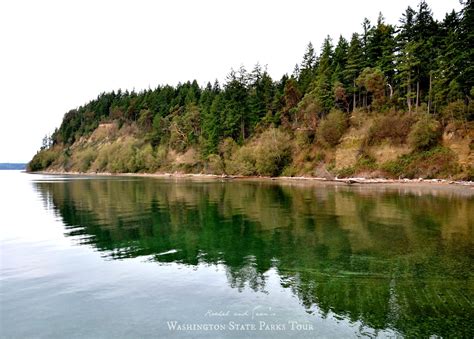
(144, 257)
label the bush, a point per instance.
(267, 155)
(469, 173)
(145, 160)
(124, 156)
(227, 147)
(122, 160)
(161, 157)
(438, 162)
(365, 162)
(43, 159)
(393, 128)
(273, 152)
(346, 172)
(426, 133)
(332, 127)
(454, 111)
(84, 159)
(242, 161)
(215, 164)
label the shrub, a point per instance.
(273, 152)
(289, 171)
(435, 163)
(43, 159)
(393, 128)
(454, 111)
(161, 157)
(346, 172)
(332, 127)
(242, 161)
(84, 159)
(303, 138)
(102, 159)
(227, 147)
(266, 155)
(121, 157)
(215, 164)
(426, 133)
(365, 162)
(469, 173)
(145, 160)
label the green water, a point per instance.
(133, 257)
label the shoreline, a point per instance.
(347, 181)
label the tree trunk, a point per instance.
(429, 95)
(417, 94)
(354, 95)
(409, 94)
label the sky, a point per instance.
(56, 55)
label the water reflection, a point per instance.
(398, 259)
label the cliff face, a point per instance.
(364, 149)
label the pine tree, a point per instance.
(307, 69)
(406, 58)
(353, 66)
(381, 48)
(340, 60)
(323, 85)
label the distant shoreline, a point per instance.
(6, 166)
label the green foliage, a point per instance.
(267, 155)
(365, 163)
(438, 162)
(43, 159)
(272, 152)
(346, 172)
(372, 82)
(215, 164)
(308, 67)
(455, 111)
(125, 156)
(84, 159)
(145, 159)
(331, 128)
(426, 133)
(305, 115)
(242, 162)
(323, 85)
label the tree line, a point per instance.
(420, 65)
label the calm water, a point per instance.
(133, 257)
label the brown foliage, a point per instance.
(393, 128)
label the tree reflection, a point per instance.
(389, 258)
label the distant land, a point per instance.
(12, 166)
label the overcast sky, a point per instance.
(57, 55)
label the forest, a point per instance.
(391, 101)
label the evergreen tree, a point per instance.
(307, 69)
(381, 48)
(340, 60)
(324, 85)
(353, 66)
